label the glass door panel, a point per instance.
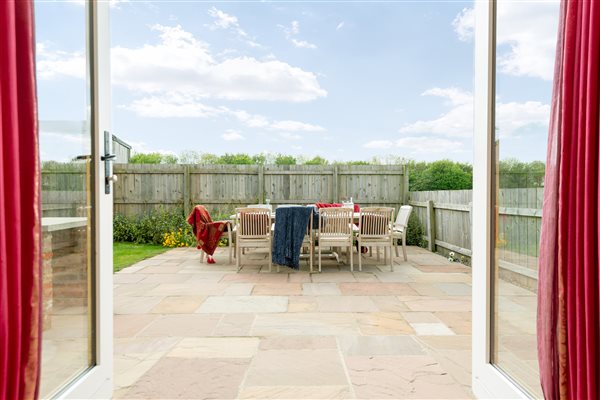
(67, 192)
(525, 49)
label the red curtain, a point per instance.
(20, 224)
(568, 287)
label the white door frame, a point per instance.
(487, 380)
(97, 382)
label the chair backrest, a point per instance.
(335, 222)
(376, 221)
(402, 218)
(254, 222)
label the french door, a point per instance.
(74, 118)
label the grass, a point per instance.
(126, 254)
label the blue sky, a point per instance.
(340, 80)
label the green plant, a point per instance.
(123, 229)
(415, 231)
(178, 238)
(151, 226)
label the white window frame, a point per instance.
(97, 381)
(487, 380)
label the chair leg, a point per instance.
(311, 255)
(237, 259)
(370, 251)
(360, 257)
(396, 247)
(404, 248)
(229, 243)
(271, 259)
(391, 258)
(320, 257)
(378, 253)
(351, 257)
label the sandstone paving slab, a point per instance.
(296, 368)
(303, 304)
(365, 276)
(139, 289)
(379, 345)
(455, 288)
(427, 289)
(298, 342)
(215, 347)
(239, 289)
(129, 278)
(178, 305)
(391, 277)
(188, 288)
(321, 289)
(136, 305)
(401, 377)
(127, 326)
(334, 277)
(161, 269)
(277, 289)
(305, 324)
(167, 278)
(235, 325)
(244, 304)
(182, 325)
(256, 278)
(459, 322)
(454, 342)
(191, 378)
(431, 329)
(338, 304)
(441, 304)
(299, 277)
(389, 303)
(144, 347)
(375, 289)
(383, 324)
(417, 316)
(297, 392)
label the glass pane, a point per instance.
(65, 149)
(526, 41)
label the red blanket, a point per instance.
(207, 232)
(328, 205)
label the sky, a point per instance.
(343, 80)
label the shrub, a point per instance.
(123, 229)
(151, 227)
(415, 231)
(178, 238)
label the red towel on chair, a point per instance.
(328, 205)
(207, 232)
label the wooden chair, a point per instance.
(309, 241)
(400, 227)
(253, 231)
(335, 230)
(375, 230)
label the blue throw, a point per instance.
(290, 229)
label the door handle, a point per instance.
(108, 157)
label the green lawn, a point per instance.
(126, 254)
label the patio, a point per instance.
(190, 330)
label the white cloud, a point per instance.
(183, 64)
(458, 121)
(526, 37)
(232, 135)
(290, 136)
(464, 24)
(379, 144)
(222, 20)
(293, 30)
(54, 64)
(172, 105)
(424, 144)
(295, 126)
(340, 26)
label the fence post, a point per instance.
(430, 226)
(187, 182)
(405, 188)
(335, 189)
(261, 184)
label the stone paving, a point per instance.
(184, 329)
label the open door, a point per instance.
(75, 145)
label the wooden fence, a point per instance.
(143, 187)
(446, 216)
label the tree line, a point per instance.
(423, 175)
